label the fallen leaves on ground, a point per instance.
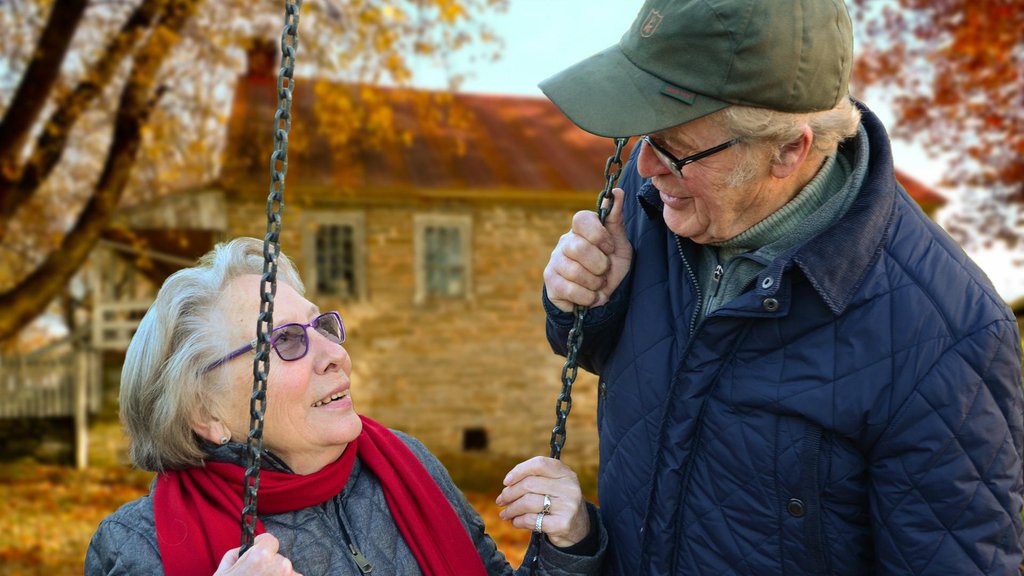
(50, 512)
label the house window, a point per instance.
(444, 264)
(443, 256)
(474, 440)
(335, 260)
(334, 252)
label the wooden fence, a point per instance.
(59, 380)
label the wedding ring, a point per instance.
(547, 505)
(539, 526)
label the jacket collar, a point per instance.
(836, 261)
(238, 453)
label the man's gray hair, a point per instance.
(771, 130)
(165, 387)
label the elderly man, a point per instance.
(799, 372)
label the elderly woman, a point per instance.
(339, 493)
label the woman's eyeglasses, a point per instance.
(291, 341)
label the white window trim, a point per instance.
(464, 223)
(311, 220)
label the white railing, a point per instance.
(114, 323)
(43, 384)
(60, 380)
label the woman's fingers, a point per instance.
(260, 560)
(539, 466)
(531, 491)
(566, 520)
(539, 475)
(229, 559)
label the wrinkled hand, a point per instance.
(260, 560)
(567, 522)
(590, 260)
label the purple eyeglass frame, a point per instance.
(273, 341)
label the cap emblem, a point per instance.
(681, 94)
(651, 24)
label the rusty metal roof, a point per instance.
(494, 142)
(498, 143)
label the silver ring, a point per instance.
(538, 527)
(547, 505)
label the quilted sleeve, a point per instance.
(945, 476)
(601, 328)
(601, 325)
(125, 543)
(553, 561)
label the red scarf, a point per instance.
(198, 510)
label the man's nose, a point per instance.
(648, 164)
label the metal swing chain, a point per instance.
(268, 283)
(612, 170)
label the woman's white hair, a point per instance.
(766, 132)
(165, 387)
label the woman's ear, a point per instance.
(792, 155)
(212, 430)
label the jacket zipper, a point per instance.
(811, 492)
(692, 330)
(696, 287)
(717, 278)
(364, 565)
(698, 432)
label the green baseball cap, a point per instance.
(683, 59)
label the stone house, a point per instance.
(432, 250)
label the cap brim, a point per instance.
(608, 95)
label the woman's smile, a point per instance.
(335, 401)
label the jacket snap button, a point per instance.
(767, 282)
(795, 506)
(770, 304)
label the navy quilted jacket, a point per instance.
(858, 410)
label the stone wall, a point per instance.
(442, 367)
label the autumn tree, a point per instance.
(956, 69)
(106, 102)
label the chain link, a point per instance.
(612, 170)
(268, 283)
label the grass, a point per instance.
(50, 512)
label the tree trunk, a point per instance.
(29, 298)
(39, 78)
(19, 182)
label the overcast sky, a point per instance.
(544, 36)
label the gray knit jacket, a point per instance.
(314, 538)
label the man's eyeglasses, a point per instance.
(291, 341)
(676, 164)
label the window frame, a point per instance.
(312, 222)
(461, 222)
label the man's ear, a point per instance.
(792, 155)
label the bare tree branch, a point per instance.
(53, 138)
(29, 297)
(40, 75)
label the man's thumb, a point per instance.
(613, 221)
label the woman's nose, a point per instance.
(329, 356)
(648, 164)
